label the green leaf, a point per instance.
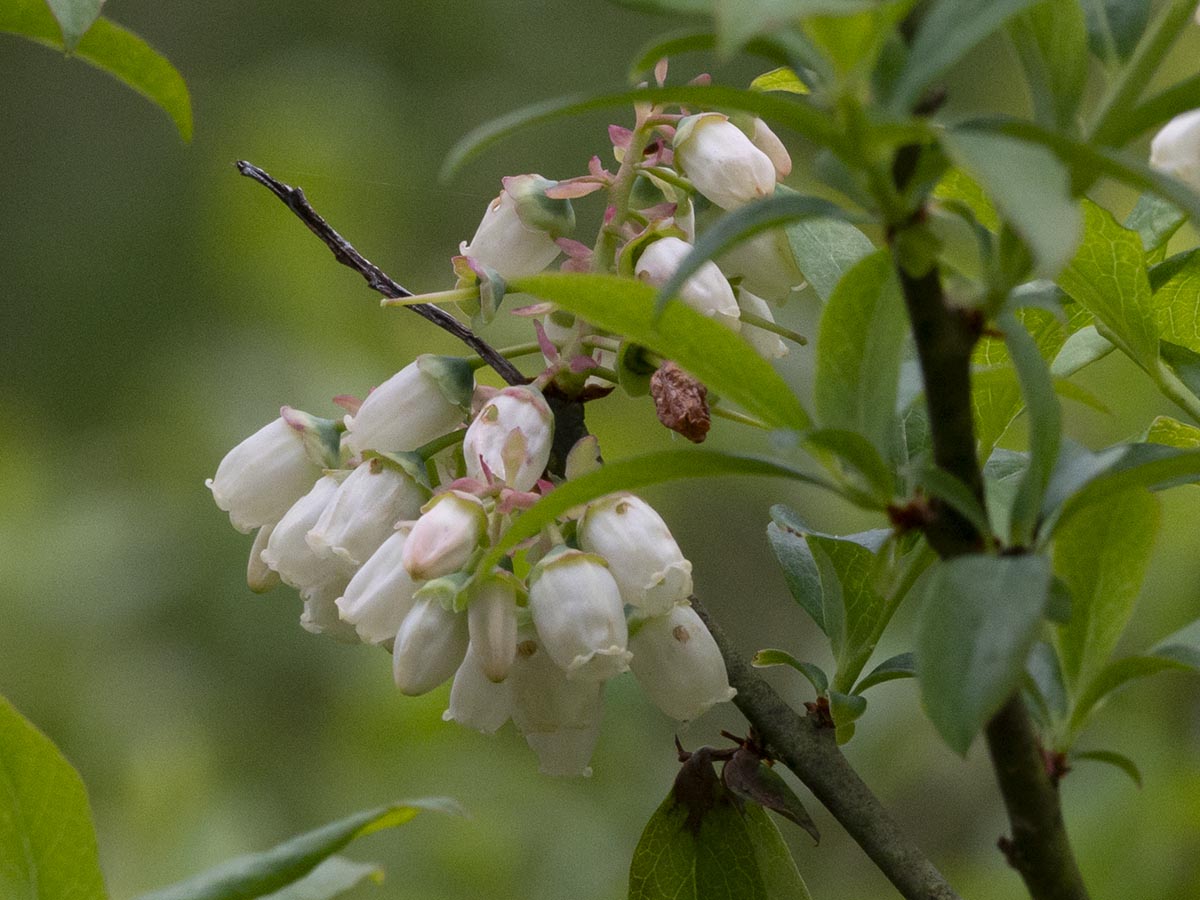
(765, 659)
(1051, 39)
(1112, 758)
(979, 621)
(680, 42)
(332, 878)
(1081, 349)
(1155, 220)
(737, 21)
(47, 841)
(799, 571)
(849, 451)
(948, 31)
(112, 49)
(669, 7)
(259, 874)
(996, 403)
(902, 665)
(791, 112)
(75, 17)
(1173, 433)
(1113, 677)
(862, 335)
(1183, 646)
(783, 79)
(1029, 186)
(780, 876)
(852, 38)
(1114, 26)
(1102, 557)
(958, 186)
(713, 353)
(1045, 673)
(1108, 278)
(1176, 305)
(825, 250)
(950, 490)
(1155, 112)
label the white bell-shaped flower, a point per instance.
(380, 594)
(678, 665)
(722, 163)
(512, 436)
(320, 614)
(259, 576)
(443, 540)
(492, 623)
(517, 234)
(287, 551)
(765, 263)
(642, 556)
(705, 291)
(577, 610)
(769, 143)
(260, 478)
(559, 718)
(1176, 148)
(768, 344)
(477, 701)
(365, 510)
(430, 646)
(422, 401)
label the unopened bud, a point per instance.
(512, 436)
(422, 401)
(446, 536)
(492, 623)
(705, 291)
(430, 645)
(380, 594)
(364, 512)
(287, 551)
(517, 234)
(1176, 149)
(678, 664)
(722, 163)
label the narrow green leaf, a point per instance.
(1115, 26)
(979, 621)
(47, 841)
(799, 571)
(259, 874)
(1112, 758)
(1183, 646)
(332, 878)
(765, 659)
(957, 186)
(1029, 185)
(1155, 220)
(1117, 675)
(851, 451)
(862, 335)
(1045, 671)
(950, 490)
(902, 665)
(1103, 557)
(1181, 97)
(1059, 39)
(1173, 433)
(1081, 349)
(825, 250)
(995, 403)
(948, 31)
(738, 21)
(75, 17)
(710, 351)
(666, 47)
(780, 876)
(1176, 305)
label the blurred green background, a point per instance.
(155, 308)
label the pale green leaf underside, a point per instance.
(75, 17)
(332, 878)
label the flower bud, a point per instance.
(559, 718)
(517, 234)
(288, 553)
(678, 665)
(512, 436)
(765, 263)
(706, 291)
(260, 478)
(430, 646)
(320, 614)
(769, 143)
(380, 594)
(492, 623)
(768, 344)
(364, 512)
(259, 576)
(642, 556)
(476, 701)
(722, 163)
(1176, 149)
(577, 610)
(422, 401)
(445, 537)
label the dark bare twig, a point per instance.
(377, 279)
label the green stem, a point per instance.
(514, 352)
(600, 342)
(772, 326)
(604, 254)
(453, 296)
(734, 416)
(437, 445)
(670, 176)
(1176, 391)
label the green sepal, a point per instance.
(453, 375)
(322, 437)
(450, 591)
(536, 210)
(409, 462)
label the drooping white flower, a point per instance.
(492, 623)
(560, 718)
(260, 478)
(430, 646)
(642, 556)
(678, 665)
(476, 701)
(364, 511)
(320, 614)
(259, 576)
(705, 291)
(765, 263)
(380, 594)
(445, 537)
(1176, 148)
(768, 344)
(512, 436)
(287, 551)
(722, 163)
(422, 401)
(517, 234)
(580, 619)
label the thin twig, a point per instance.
(376, 278)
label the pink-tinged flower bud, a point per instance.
(768, 142)
(445, 537)
(492, 623)
(706, 291)
(364, 512)
(430, 646)
(320, 614)
(422, 401)
(260, 478)
(259, 576)
(476, 701)
(380, 594)
(577, 610)
(288, 553)
(722, 163)
(559, 718)
(768, 344)
(678, 665)
(642, 556)
(518, 231)
(765, 264)
(512, 436)
(1176, 149)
